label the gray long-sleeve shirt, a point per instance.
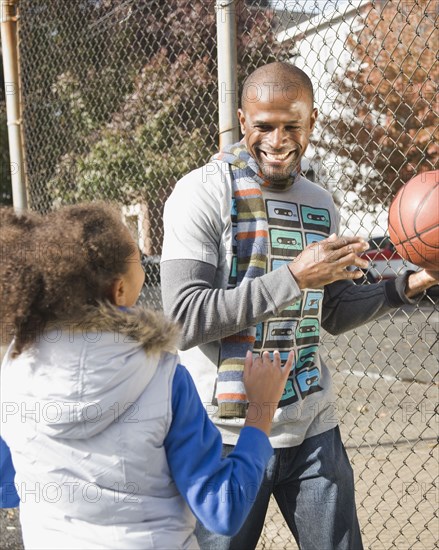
(196, 261)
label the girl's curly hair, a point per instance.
(54, 267)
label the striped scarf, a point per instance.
(250, 241)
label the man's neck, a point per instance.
(281, 185)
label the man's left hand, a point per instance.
(420, 281)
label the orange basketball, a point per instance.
(414, 220)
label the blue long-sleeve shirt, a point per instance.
(219, 491)
(8, 494)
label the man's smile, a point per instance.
(276, 157)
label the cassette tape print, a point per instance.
(259, 339)
(306, 357)
(286, 243)
(313, 238)
(307, 332)
(280, 335)
(311, 303)
(284, 358)
(282, 213)
(294, 309)
(308, 381)
(316, 218)
(276, 264)
(290, 393)
(307, 371)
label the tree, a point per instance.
(383, 125)
(130, 93)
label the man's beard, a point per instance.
(280, 180)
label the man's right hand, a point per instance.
(327, 261)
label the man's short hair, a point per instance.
(274, 76)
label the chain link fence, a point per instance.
(120, 100)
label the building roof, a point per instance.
(324, 19)
(282, 18)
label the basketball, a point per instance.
(414, 220)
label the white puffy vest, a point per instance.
(105, 482)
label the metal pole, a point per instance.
(8, 23)
(227, 72)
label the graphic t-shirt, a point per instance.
(292, 227)
(199, 226)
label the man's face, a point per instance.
(276, 131)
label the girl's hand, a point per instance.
(264, 382)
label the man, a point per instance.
(251, 260)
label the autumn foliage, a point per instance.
(129, 99)
(383, 125)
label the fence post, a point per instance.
(8, 23)
(227, 72)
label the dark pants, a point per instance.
(313, 485)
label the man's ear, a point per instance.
(117, 292)
(313, 118)
(241, 118)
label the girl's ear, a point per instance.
(117, 292)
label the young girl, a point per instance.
(111, 445)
